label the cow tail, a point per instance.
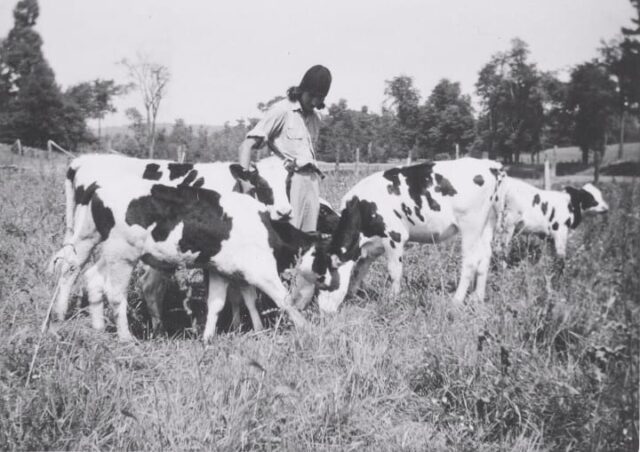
(500, 207)
(70, 203)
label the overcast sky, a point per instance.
(226, 56)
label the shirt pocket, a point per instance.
(294, 133)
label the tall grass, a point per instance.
(534, 367)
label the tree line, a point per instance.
(519, 109)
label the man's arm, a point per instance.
(264, 132)
(245, 151)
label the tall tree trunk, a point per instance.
(150, 133)
(623, 117)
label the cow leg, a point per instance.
(484, 252)
(153, 285)
(360, 270)
(330, 301)
(215, 303)
(95, 283)
(505, 235)
(559, 240)
(368, 253)
(394, 266)
(234, 298)
(69, 272)
(472, 250)
(269, 283)
(302, 292)
(249, 294)
(117, 282)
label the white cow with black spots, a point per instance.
(91, 171)
(546, 213)
(428, 203)
(229, 234)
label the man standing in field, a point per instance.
(290, 130)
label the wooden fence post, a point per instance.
(337, 159)
(457, 151)
(49, 150)
(181, 153)
(369, 149)
(547, 174)
(19, 146)
(409, 156)
(51, 144)
(356, 170)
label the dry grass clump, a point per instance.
(535, 367)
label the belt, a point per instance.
(291, 165)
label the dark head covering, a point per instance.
(317, 80)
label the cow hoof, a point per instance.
(53, 329)
(126, 339)
(450, 316)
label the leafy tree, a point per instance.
(512, 97)
(405, 104)
(181, 134)
(136, 146)
(201, 146)
(32, 106)
(622, 59)
(557, 121)
(344, 130)
(591, 99)
(446, 120)
(95, 99)
(151, 80)
(225, 142)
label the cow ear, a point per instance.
(237, 171)
(574, 193)
(581, 198)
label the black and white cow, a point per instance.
(266, 181)
(547, 213)
(87, 172)
(229, 234)
(429, 203)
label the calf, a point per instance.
(547, 213)
(88, 172)
(230, 235)
(429, 203)
(155, 283)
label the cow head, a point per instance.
(345, 242)
(588, 199)
(358, 217)
(273, 172)
(261, 186)
(315, 271)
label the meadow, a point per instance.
(533, 368)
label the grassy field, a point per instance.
(532, 368)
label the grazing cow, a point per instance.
(154, 284)
(87, 172)
(547, 213)
(429, 203)
(229, 234)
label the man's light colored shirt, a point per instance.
(293, 133)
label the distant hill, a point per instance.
(125, 130)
